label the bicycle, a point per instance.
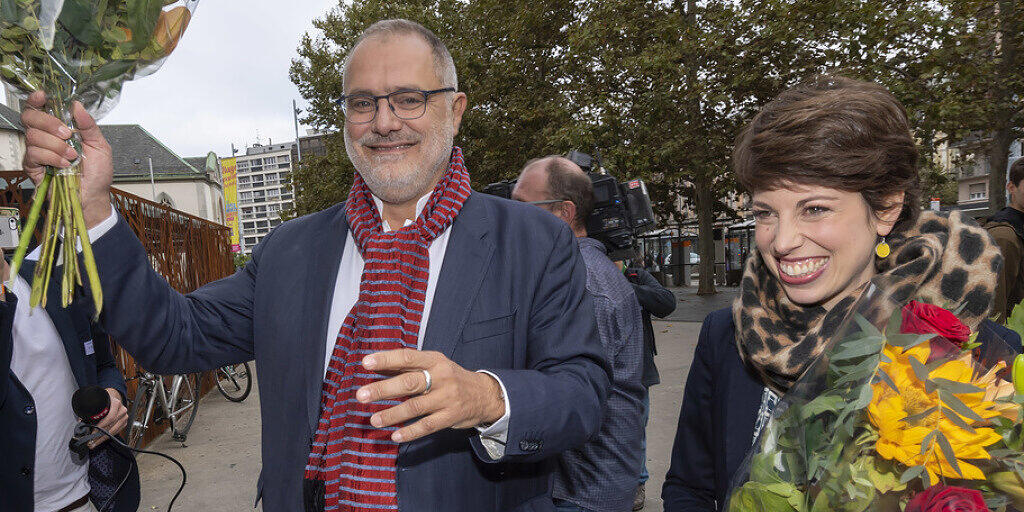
(234, 381)
(178, 404)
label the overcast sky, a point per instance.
(227, 80)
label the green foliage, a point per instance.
(241, 260)
(663, 88)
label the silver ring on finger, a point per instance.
(426, 375)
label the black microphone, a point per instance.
(91, 404)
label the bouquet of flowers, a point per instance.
(907, 412)
(78, 50)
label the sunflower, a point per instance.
(904, 422)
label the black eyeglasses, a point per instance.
(406, 104)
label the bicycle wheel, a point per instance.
(234, 381)
(139, 415)
(184, 405)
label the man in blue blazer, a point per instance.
(47, 354)
(509, 370)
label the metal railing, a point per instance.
(188, 251)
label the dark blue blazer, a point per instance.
(716, 422)
(510, 299)
(109, 464)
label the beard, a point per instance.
(402, 179)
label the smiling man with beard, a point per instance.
(419, 347)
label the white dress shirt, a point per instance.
(41, 364)
(346, 293)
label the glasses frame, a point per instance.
(376, 102)
(546, 201)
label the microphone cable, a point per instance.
(110, 437)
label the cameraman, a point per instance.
(655, 300)
(600, 476)
(48, 354)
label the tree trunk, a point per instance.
(998, 156)
(705, 237)
(1002, 136)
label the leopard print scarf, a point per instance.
(942, 258)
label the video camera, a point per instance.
(621, 210)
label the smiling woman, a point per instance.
(831, 167)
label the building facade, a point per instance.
(264, 190)
(967, 161)
(145, 167)
(12, 139)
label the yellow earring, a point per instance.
(882, 250)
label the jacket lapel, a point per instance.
(465, 264)
(61, 321)
(320, 282)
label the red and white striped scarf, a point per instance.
(355, 461)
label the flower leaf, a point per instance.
(912, 473)
(884, 377)
(926, 443)
(956, 387)
(947, 451)
(867, 326)
(955, 418)
(909, 340)
(957, 405)
(920, 370)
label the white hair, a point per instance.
(444, 66)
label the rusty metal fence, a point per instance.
(186, 250)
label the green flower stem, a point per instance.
(87, 258)
(30, 225)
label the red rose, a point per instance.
(941, 498)
(920, 318)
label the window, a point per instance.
(243, 179)
(977, 191)
(284, 165)
(248, 225)
(270, 160)
(245, 195)
(251, 241)
(275, 222)
(261, 209)
(242, 164)
(255, 161)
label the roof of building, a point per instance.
(198, 162)
(134, 146)
(9, 119)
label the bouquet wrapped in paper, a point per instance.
(902, 412)
(78, 50)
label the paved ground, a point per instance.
(222, 452)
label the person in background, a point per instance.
(47, 354)
(655, 300)
(1007, 229)
(601, 475)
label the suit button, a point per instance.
(26, 471)
(29, 410)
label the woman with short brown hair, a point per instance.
(831, 167)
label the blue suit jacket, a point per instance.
(510, 299)
(716, 422)
(17, 410)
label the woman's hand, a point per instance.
(115, 420)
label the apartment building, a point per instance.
(264, 190)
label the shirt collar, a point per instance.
(380, 208)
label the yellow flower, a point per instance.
(901, 440)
